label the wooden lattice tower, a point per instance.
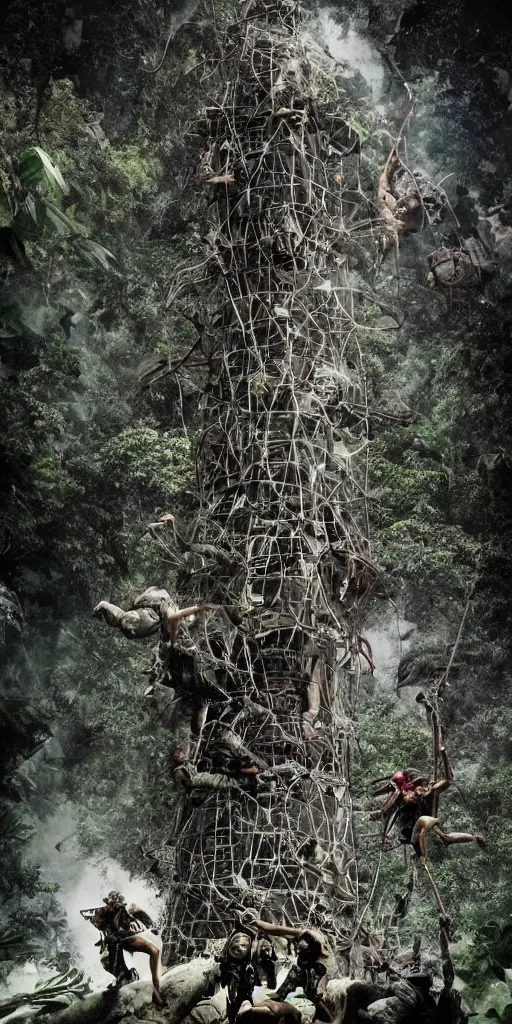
(285, 422)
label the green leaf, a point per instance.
(31, 207)
(96, 252)
(13, 828)
(36, 166)
(59, 219)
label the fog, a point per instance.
(348, 45)
(83, 883)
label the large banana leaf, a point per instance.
(36, 167)
(14, 945)
(72, 981)
(56, 993)
(93, 251)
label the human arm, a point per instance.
(171, 619)
(269, 927)
(111, 613)
(385, 196)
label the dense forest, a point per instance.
(105, 196)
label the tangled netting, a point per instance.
(280, 538)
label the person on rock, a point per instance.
(111, 952)
(248, 961)
(312, 967)
(128, 928)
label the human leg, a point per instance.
(141, 945)
(419, 833)
(450, 838)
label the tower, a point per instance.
(280, 529)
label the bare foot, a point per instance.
(480, 840)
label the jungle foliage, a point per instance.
(88, 459)
(442, 531)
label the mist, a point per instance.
(83, 884)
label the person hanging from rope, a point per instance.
(128, 928)
(414, 809)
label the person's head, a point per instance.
(239, 946)
(178, 757)
(399, 777)
(114, 899)
(309, 947)
(303, 949)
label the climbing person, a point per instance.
(236, 773)
(414, 811)
(401, 782)
(151, 612)
(129, 928)
(186, 777)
